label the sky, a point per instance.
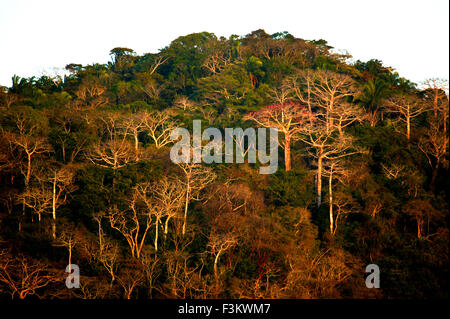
(39, 36)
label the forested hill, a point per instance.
(86, 177)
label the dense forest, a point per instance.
(86, 176)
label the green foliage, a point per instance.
(281, 246)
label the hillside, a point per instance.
(361, 176)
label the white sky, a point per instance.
(410, 35)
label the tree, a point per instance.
(68, 238)
(434, 144)
(435, 90)
(184, 103)
(90, 94)
(27, 137)
(326, 90)
(144, 193)
(196, 177)
(131, 277)
(335, 169)
(424, 213)
(219, 244)
(115, 151)
(408, 107)
(133, 126)
(371, 95)
(159, 125)
(108, 253)
(169, 197)
(345, 114)
(62, 181)
(132, 225)
(38, 198)
(23, 276)
(324, 145)
(287, 118)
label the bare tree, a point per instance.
(134, 223)
(28, 140)
(281, 94)
(218, 58)
(345, 114)
(157, 62)
(159, 125)
(108, 251)
(144, 194)
(7, 98)
(68, 238)
(38, 198)
(62, 182)
(90, 94)
(131, 277)
(184, 103)
(169, 198)
(434, 144)
(288, 118)
(219, 244)
(324, 89)
(115, 152)
(133, 126)
(408, 107)
(324, 145)
(196, 178)
(22, 276)
(343, 203)
(151, 87)
(436, 90)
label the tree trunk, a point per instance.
(70, 258)
(156, 235)
(330, 190)
(166, 228)
(408, 127)
(216, 273)
(319, 181)
(136, 146)
(287, 153)
(186, 208)
(54, 208)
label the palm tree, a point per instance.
(372, 93)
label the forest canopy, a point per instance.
(86, 177)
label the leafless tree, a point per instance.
(288, 118)
(90, 94)
(115, 152)
(22, 276)
(219, 244)
(437, 91)
(108, 251)
(68, 238)
(434, 144)
(196, 178)
(132, 224)
(169, 198)
(38, 199)
(408, 107)
(159, 125)
(133, 125)
(184, 103)
(130, 277)
(62, 183)
(323, 145)
(323, 89)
